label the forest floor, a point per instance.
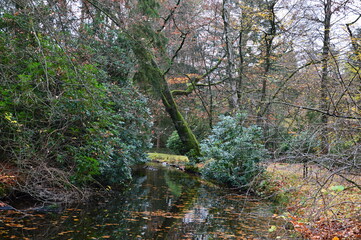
(321, 206)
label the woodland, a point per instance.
(89, 87)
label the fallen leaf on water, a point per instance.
(30, 228)
(62, 233)
(14, 225)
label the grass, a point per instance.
(169, 158)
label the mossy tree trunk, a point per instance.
(185, 133)
(150, 72)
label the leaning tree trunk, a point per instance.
(186, 135)
(151, 73)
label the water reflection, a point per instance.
(161, 203)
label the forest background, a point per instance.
(87, 86)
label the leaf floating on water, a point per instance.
(14, 225)
(63, 233)
(73, 209)
(131, 219)
(30, 228)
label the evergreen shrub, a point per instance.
(175, 144)
(233, 152)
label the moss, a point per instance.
(169, 158)
(151, 73)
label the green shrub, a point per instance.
(303, 142)
(77, 116)
(175, 144)
(232, 152)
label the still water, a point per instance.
(161, 203)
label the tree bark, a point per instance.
(324, 73)
(150, 72)
(186, 135)
(233, 100)
(268, 46)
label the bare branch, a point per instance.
(317, 110)
(183, 36)
(111, 16)
(170, 15)
(286, 80)
(194, 81)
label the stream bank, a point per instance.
(160, 203)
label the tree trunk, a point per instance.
(186, 135)
(241, 65)
(151, 73)
(268, 46)
(324, 74)
(233, 100)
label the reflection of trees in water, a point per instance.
(160, 203)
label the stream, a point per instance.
(160, 203)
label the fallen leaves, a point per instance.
(14, 225)
(325, 229)
(326, 205)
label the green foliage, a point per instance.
(304, 142)
(277, 139)
(128, 134)
(232, 152)
(169, 158)
(199, 128)
(79, 116)
(112, 53)
(175, 144)
(337, 188)
(149, 7)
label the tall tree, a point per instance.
(324, 106)
(267, 49)
(229, 49)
